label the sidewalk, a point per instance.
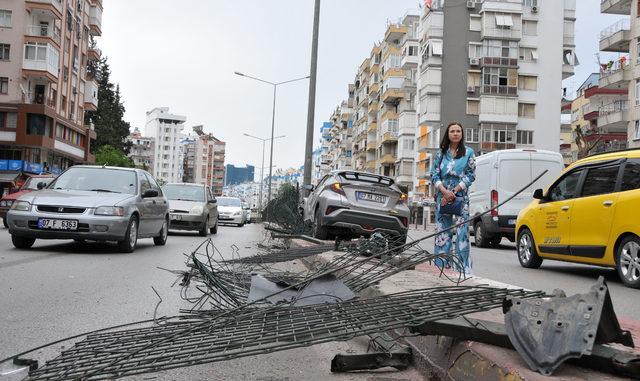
(439, 357)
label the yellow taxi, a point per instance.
(590, 214)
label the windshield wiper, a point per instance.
(103, 190)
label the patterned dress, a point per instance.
(450, 173)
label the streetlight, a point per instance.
(262, 167)
(273, 117)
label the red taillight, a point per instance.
(405, 221)
(403, 198)
(331, 209)
(494, 203)
(337, 187)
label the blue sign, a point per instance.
(4, 165)
(55, 170)
(15, 165)
(26, 166)
(36, 168)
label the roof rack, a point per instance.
(616, 151)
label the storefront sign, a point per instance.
(4, 165)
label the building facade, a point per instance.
(218, 166)
(166, 130)
(238, 175)
(141, 150)
(48, 81)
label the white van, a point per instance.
(500, 174)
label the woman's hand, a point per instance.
(447, 196)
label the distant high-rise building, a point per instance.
(166, 130)
(218, 166)
(238, 175)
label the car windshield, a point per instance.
(229, 201)
(184, 192)
(97, 179)
(32, 183)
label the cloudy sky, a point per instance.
(183, 55)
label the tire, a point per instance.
(128, 244)
(479, 236)
(527, 253)
(319, 231)
(204, 231)
(161, 239)
(495, 240)
(22, 242)
(628, 261)
(4, 222)
(214, 229)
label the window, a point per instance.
(504, 21)
(524, 137)
(636, 131)
(600, 181)
(436, 47)
(4, 85)
(5, 18)
(500, 48)
(37, 125)
(529, 27)
(475, 50)
(475, 23)
(473, 107)
(631, 176)
(526, 110)
(144, 183)
(638, 47)
(637, 92)
(473, 79)
(5, 50)
(413, 50)
(527, 82)
(500, 76)
(8, 119)
(153, 183)
(566, 188)
(528, 54)
(471, 135)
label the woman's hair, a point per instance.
(444, 144)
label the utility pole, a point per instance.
(308, 152)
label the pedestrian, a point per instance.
(452, 172)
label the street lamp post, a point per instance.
(273, 117)
(263, 140)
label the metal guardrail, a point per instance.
(614, 28)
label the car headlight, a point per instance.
(23, 206)
(109, 211)
(196, 210)
(237, 213)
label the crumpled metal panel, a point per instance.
(546, 332)
(327, 289)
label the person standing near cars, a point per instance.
(452, 173)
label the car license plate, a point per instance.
(176, 217)
(47, 223)
(512, 222)
(364, 196)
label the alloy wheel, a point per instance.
(630, 261)
(133, 234)
(524, 248)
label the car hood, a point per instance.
(15, 195)
(83, 199)
(229, 209)
(183, 205)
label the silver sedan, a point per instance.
(93, 203)
(192, 207)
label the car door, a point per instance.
(146, 206)
(312, 200)
(593, 213)
(159, 205)
(553, 222)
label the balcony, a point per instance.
(372, 127)
(590, 111)
(364, 66)
(95, 20)
(370, 165)
(499, 61)
(94, 53)
(393, 72)
(373, 89)
(40, 60)
(394, 33)
(392, 95)
(371, 145)
(374, 107)
(499, 90)
(500, 33)
(615, 7)
(90, 96)
(614, 117)
(616, 77)
(388, 159)
(44, 33)
(409, 62)
(50, 7)
(616, 37)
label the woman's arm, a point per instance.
(469, 175)
(436, 180)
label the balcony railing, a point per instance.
(611, 108)
(40, 99)
(57, 4)
(620, 25)
(499, 61)
(614, 66)
(44, 31)
(500, 90)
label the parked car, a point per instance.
(588, 215)
(499, 174)
(191, 207)
(30, 185)
(247, 212)
(93, 203)
(356, 204)
(230, 211)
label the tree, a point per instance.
(107, 155)
(110, 127)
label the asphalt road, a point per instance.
(501, 264)
(60, 288)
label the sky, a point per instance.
(183, 55)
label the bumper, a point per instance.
(186, 222)
(503, 225)
(365, 223)
(90, 227)
(230, 219)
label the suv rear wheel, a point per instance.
(479, 235)
(527, 253)
(161, 239)
(319, 231)
(628, 261)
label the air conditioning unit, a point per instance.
(474, 61)
(534, 9)
(471, 4)
(471, 89)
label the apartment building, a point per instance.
(217, 182)
(166, 130)
(621, 115)
(203, 160)
(141, 150)
(48, 82)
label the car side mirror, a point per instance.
(309, 187)
(150, 193)
(538, 195)
(41, 185)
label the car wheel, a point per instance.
(161, 239)
(22, 242)
(495, 240)
(205, 228)
(479, 236)
(527, 253)
(128, 244)
(4, 222)
(214, 229)
(241, 224)
(319, 231)
(628, 261)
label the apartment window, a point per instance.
(500, 76)
(67, 44)
(35, 51)
(526, 110)
(5, 18)
(530, 3)
(4, 85)
(637, 92)
(473, 79)
(413, 50)
(504, 21)
(8, 119)
(529, 27)
(37, 125)
(473, 107)
(471, 135)
(497, 136)
(527, 82)
(475, 23)
(475, 50)
(5, 50)
(528, 54)
(500, 48)
(524, 137)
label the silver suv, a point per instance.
(359, 203)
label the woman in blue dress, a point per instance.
(452, 172)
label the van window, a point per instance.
(600, 181)
(567, 187)
(631, 176)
